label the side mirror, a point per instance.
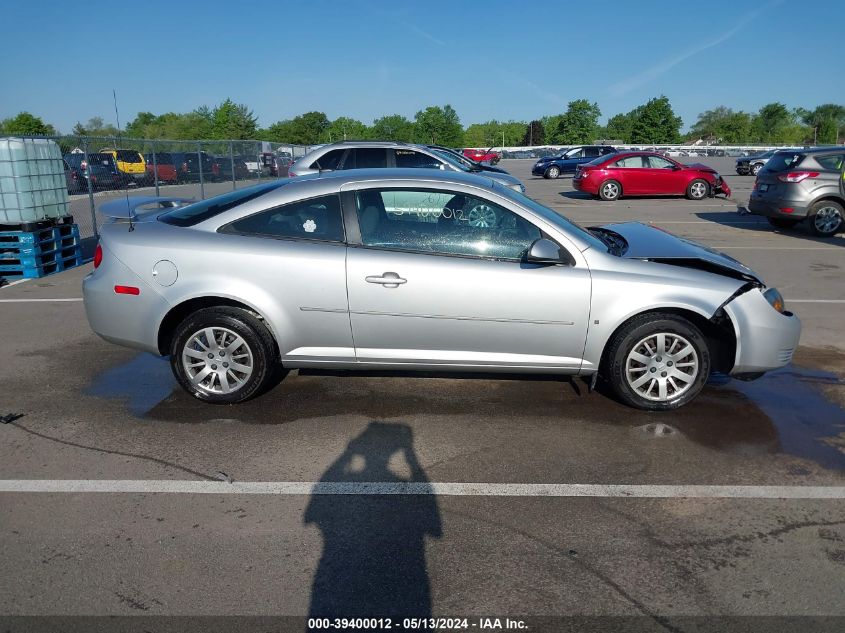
(544, 251)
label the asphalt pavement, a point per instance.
(507, 497)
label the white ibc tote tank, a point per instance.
(32, 180)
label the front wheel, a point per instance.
(552, 172)
(826, 218)
(610, 190)
(755, 169)
(222, 355)
(657, 362)
(698, 189)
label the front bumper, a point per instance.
(765, 338)
(744, 169)
(539, 170)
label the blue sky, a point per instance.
(366, 58)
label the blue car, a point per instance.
(566, 162)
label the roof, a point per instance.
(436, 175)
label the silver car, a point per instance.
(384, 269)
(382, 154)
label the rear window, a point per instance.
(782, 161)
(129, 156)
(162, 158)
(199, 211)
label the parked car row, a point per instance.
(117, 168)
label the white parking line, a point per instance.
(71, 300)
(14, 283)
(285, 488)
(781, 248)
(77, 299)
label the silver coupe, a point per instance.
(392, 269)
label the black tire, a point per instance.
(552, 172)
(253, 332)
(822, 218)
(755, 169)
(610, 190)
(783, 223)
(698, 189)
(629, 336)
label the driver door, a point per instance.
(439, 279)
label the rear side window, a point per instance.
(367, 157)
(782, 161)
(329, 160)
(199, 211)
(833, 163)
(591, 152)
(410, 158)
(636, 162)
(315, 219)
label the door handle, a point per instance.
(388, 280)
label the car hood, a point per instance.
(504, 178)
(653, 244)
(701, 167)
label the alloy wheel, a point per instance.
(610, 190)
(827, 219)
(217, 360)
(482, 216)
(662, 367)
(698, 190)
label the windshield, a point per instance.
(452, 160)
(129, 156)
(449, 156)
(199, 211)
(552, 216)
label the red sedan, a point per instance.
(647, 174)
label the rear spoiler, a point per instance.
(125, 208)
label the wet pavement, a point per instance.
(75, 407)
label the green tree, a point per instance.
(232, 120)
(579, 123)
(305, 129)
(724, 125)
(619, 127)
(137, 128)
(393, 127)
(343, 129)
(656, 123)
(439, 126)
(95, 126)
(774, 123)
(827, 122)
(534, 133)
(26, 124)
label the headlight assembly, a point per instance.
(775, 299)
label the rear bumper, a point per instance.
(765, 338)
(128, 320)
(773, 207)
(586, 185)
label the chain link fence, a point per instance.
(102, 168)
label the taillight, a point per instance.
(127, 290)
(291, 174)
(98, 256)
(797, 176)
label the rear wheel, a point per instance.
(826, 218)
(222, 355)
(610, 190)
(698, 189)
(783, 223)
(657, 362)
(552, 172)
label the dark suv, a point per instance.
(565, 163)
(797, 185)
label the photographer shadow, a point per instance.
(373, 562)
